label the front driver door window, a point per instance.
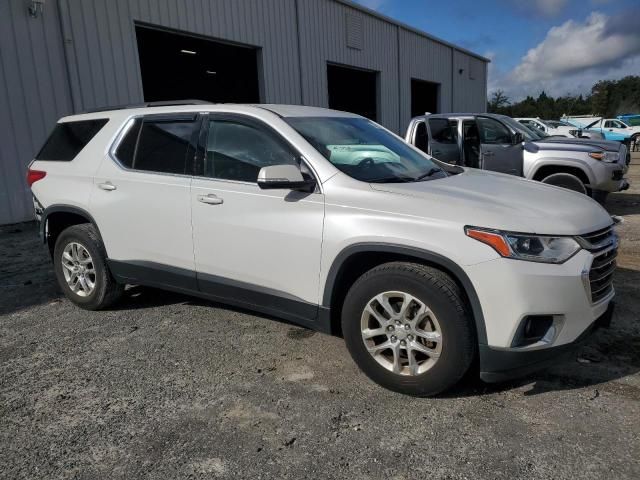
(497, 151)
(250, 243)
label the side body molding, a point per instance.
(435, 259)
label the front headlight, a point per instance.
(522, 246)
(609, 157)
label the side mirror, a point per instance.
(518, 138)
(288, 177)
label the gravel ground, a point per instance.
(167, 386)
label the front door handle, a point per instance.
(210, 199)
(489, 154)
(108, 186)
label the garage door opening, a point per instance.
(353, 90)
(424, 97)
(178, 67)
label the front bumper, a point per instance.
(500, 365)
(510, 291)
(610, 177)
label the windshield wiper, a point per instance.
(391, 180)
(430, 173)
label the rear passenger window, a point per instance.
(443, 130)
(69, 138)
(422, 138)
(157, 145)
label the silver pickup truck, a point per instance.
(499, 143)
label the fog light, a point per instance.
(533, 329)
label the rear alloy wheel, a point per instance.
(407, 327)
(566, 180)
(78, 269)
(80, 264)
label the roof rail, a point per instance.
(164, 103)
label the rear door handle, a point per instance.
(108, 186)
(210, 199)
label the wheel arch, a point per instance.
(544, 170)
(345, 267)
(66, 216)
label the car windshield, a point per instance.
(530, 134)
(365, 151)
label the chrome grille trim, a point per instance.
(603, 244)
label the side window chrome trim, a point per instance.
(116, 143)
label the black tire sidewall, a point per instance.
(79, 235)
(458, 336)
(566, 181)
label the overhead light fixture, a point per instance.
(188, 52)
(211, 72)
(36, 8)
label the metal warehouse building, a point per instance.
(63, 56)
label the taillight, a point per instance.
(34, 175)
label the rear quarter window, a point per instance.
(69, 138)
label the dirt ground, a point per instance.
(167, 386)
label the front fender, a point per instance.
(435, 259)
(562, 162)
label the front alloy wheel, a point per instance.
(408, 328)
(401, 333)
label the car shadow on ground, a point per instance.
(606, 356)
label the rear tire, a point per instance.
(80, 264)
(420, 340)
(566, 180)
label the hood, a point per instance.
(493, 200)
(577, 144)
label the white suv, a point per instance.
(328, 220)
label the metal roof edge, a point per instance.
(380, 16)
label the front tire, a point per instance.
(566, 180)
(80, 264)
(408, 328)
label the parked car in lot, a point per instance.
(550, 127)
(328, 220)
(611, 128)
(499, 143)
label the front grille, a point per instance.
(625, 151)
(603, 244)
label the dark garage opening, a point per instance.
(353, 90)
(424, 97)
(178, 67)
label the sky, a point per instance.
(559, 46)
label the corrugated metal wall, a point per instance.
(323, 38)
(102, 44)
(82, 54)
(423, 59)
(34, 93)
